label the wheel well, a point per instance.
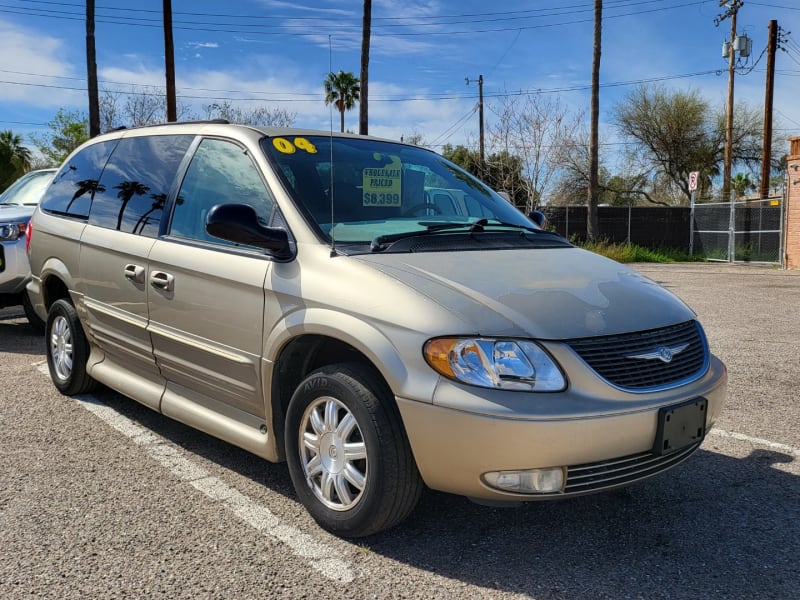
(54, 289)
(300, 357)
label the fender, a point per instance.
(52, 267)
(414, 380)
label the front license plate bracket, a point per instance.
(680, 425)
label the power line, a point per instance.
(263, 96)
(507, 15)
(450, 131)
(329, 25)
(774, 6)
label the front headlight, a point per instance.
(11, 231)
(503, 364)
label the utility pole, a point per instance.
(169, 57)
(91, 72)
(766, 151)
(480, 116)
(592, 216)
(733, 7)
(366, 32)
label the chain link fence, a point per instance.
(748, 231)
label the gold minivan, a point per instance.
(366, 311)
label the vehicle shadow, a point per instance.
(16, 334)
(716, 526)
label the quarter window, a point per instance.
(221, 172)
(76, 182)
(136, 183)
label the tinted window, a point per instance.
(373, 188)
(71, 192)
(221, 172)
(136, 182)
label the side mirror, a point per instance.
(238, 223)
(538, 217)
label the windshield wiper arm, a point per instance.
(380, 242)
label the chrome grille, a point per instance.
(621, 471)
(611, 356)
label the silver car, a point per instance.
(366, 311)
(17, 203)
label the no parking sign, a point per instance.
(693, 180)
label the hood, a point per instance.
(558, 293)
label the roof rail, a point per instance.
(198, 122)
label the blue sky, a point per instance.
(276, 53)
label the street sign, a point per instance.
(693, 180)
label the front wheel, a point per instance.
(67, 350)
(348, 455)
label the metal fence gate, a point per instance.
(748, 231)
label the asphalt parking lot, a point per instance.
(102, 498)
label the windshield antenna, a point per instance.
(330, 113)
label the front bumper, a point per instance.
(453, 448)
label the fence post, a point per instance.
(732, 230)
(629, 222)
(691, 226)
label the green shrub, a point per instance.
(628, 253)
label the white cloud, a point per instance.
(198, 45)
(34, 71)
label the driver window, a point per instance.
(221, 172)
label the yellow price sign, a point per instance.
(383, 185)
(284, 146)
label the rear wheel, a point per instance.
(67, 350)
(348, 455)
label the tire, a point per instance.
(374, 488)
(35, 321)
(67, 350)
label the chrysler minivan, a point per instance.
(366, 311)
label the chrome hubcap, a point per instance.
(61, 348)
(333, 453)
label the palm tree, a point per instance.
(342, 90)
(15, 159)
(741, 184)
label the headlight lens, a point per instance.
(503, 364)
(11, 231)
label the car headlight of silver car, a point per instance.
(506, 364)
(11, 231)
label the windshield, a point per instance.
(28, 189)
(371, 188)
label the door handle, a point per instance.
(134, 273)
(163, 281)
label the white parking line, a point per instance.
(757, 441)
(320, 556)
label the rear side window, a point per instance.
(76, 181)
(136, 183)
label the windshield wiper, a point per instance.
(381, 242)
